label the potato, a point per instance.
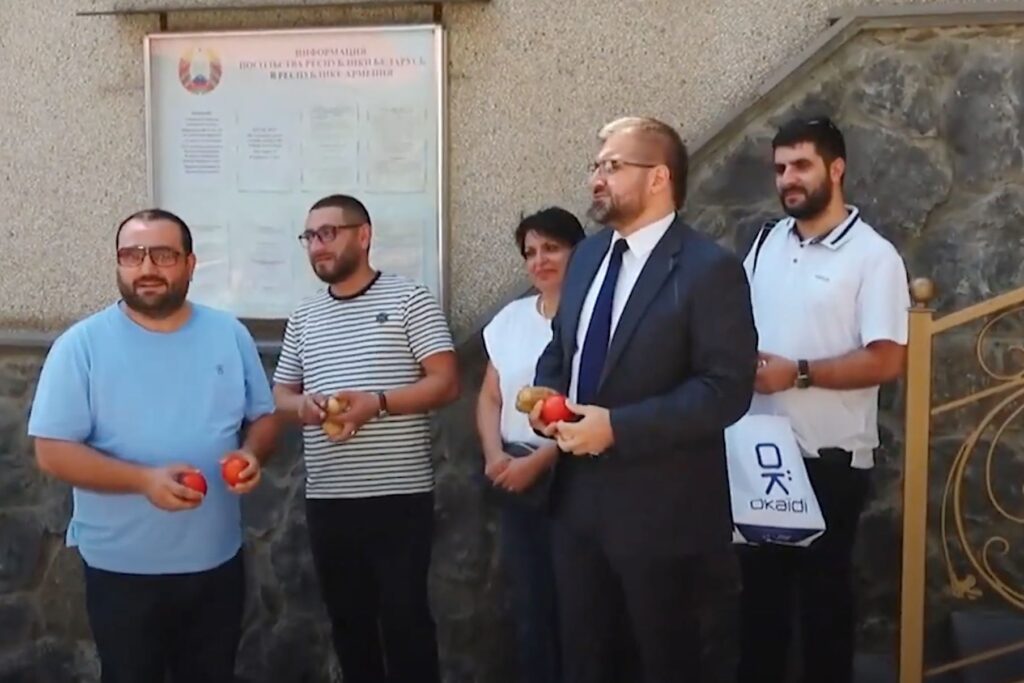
(336, 407)
(335, 423)
(528, 397)
(332, 429)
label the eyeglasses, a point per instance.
(607, 167)
(132, 257)
(325, 233)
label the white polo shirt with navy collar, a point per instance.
(822, 298)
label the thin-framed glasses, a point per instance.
(607, 167)
(325, 233)
(131, 257)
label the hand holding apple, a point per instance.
(193, 480)
(173, 488)
(241, 471)
(591, 435)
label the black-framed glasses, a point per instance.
(607, 167)
(132, 257)
(325, 233)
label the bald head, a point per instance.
(659, 143)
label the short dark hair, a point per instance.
(348, 204)
(666, 139)
(147, 215)
(819, 131)
(554, 223)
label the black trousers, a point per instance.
(817, 581)
(629, 618)
(147, 627)
(372, 557)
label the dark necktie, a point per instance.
(595, 344)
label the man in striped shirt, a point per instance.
(378, 343)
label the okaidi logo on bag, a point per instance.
(776, 492)
(771, 495)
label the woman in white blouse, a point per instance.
(517, 461)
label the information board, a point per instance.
(245, 130)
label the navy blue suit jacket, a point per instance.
(680, 369)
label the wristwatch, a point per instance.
(803, 374)
(382, 404)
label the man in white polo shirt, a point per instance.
(830, 303)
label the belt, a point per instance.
(838, 455)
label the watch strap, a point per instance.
(803, 374)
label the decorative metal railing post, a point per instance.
(915, 482)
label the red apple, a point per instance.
(232, 469)
(193, 480)
(555, 410)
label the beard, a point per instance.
(607, 211)
(813, 204)
(153, 304)
(337, 269)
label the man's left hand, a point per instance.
(362, 407)
(592, 435)
(774, 374)
(249, 477)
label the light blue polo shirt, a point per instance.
(154, 399)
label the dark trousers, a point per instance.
(147, 627)
(526, 557)
(817, 581)
(627, 618)
(372, 557)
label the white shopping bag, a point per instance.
(772, 497)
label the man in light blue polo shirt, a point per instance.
(130, 399)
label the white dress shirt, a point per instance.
(641, 243)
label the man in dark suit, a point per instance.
(654, 344)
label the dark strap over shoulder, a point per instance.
(762, 235)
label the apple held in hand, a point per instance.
(193, 480)
(232, 469)
(555, 410)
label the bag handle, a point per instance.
(762, 235)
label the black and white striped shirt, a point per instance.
(373, 341)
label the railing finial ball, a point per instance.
(922, 290)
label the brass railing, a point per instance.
(1008, 388)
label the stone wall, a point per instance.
(933, 128)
